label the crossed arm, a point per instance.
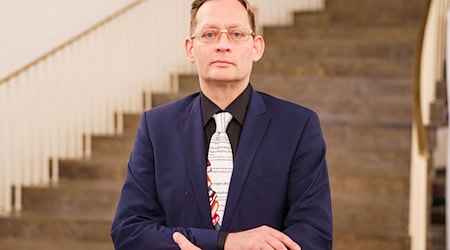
(262, 237)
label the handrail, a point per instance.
(70, 41)
(417, 97)
(427, 70)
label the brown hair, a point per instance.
(196, 4)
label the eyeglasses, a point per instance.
(212, 35)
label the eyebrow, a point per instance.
(210, 25)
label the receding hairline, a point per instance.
(197, 4)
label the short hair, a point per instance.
(196, 4)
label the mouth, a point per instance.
(222, 62)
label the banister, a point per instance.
(70, 41)
(417, 96)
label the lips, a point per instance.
(221, 62)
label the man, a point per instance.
(274, 195)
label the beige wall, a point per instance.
(29, 28)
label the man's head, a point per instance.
(223, 45)
(196, 4)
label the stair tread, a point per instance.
(299, 32)
(20, 244)
(114, 160)
(81, 186)
(85, 226)
(29, 215)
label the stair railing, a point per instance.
(430, 56)
(50, 107)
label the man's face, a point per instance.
(224, 60)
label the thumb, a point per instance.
(177, 237)
(183, 242)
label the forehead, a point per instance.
(222, 13)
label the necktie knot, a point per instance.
(222, 120)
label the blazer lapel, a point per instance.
(256, 122)
(192, 139)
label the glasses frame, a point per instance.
(249, 32)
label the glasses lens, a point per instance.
(208, 35)
(212, 35)
(237, 35)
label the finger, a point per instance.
(182, 241)
(285, 240)
(276, 244)
(290, 244)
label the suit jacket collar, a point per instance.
(192, 139)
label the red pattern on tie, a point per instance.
(213, 204)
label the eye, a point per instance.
(208, 34)
(237, 33)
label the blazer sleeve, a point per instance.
(139, 222)
(309, 217)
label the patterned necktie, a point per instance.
(219, 168)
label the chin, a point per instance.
(223, 78)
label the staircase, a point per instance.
(438, 119)
(352, 64)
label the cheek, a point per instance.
(199, 56)
(247, 60)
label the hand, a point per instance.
(183, 243)
(262, 237)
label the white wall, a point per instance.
(29, 28)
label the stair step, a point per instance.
(436, 237)
(295, 64)
(37, 225)
(441, 90)
(375, 110)
(344, 240)
(339, 99)
(375, 12)
(386, 137)
(349, 49)
(73, 196)
(374, 216)
(320, 87)
(115, 145)
(333, 87)
(371, 183)
(159, 99)
(306, 20)
(105, 167)
(54, 244)
(131, 123)
(439, 112)
(340, 33)
(346, 159)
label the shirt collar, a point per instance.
(238, 108)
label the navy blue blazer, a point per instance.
(280, 178)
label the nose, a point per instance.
(224, 43)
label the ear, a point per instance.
(258, 48)
(189, 48)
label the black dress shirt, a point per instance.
(238, 109)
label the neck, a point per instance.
(224, 93)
